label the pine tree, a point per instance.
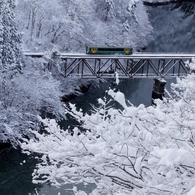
(10, 40)
(1, 33)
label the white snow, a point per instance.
(192, 191)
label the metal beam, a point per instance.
(138, 65)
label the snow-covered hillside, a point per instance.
(70, 25)
(173, 26)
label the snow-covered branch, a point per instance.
(136, 149)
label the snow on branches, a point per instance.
(24, 96)
(137, 150)
(73, 24)
(10, 40)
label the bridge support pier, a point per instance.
(158, 89)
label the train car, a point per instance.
(94, 50)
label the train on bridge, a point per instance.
(95, 50)
(104, 62)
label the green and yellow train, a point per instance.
(109, 50)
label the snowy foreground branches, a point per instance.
(137, 150)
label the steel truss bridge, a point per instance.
(138, 65)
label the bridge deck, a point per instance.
(138, 65)
(133, 56)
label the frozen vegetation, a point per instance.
(32, 87)
(72, 24)
(137, 150)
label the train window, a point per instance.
(110, 49)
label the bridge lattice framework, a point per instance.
(140, 65)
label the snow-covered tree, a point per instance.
(122, 23)
(51, 23)
(73, 24)
(10, 40)
(23, 97)
(137, 150)
(25, 91)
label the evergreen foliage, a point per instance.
(10, 40)
(27, 88)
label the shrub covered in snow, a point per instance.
(137, 150)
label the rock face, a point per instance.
(158, 90)
(82, 89)
(173, 27)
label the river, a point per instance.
(174, 30)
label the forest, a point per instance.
(128, 150)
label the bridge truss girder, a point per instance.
(126, 68)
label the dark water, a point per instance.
(137, 91)
(174, 30)
(15, 173)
